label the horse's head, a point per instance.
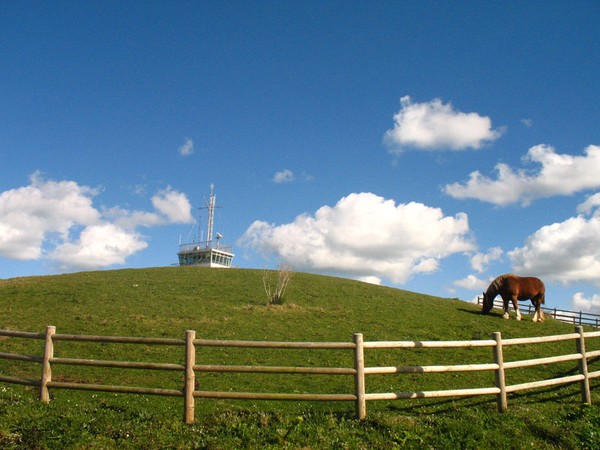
(488, 302)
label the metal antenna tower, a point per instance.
(212, 200)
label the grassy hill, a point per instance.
(231, 304)
(224, 304)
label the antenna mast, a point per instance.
(212, 200)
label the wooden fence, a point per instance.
(359, 371)
(564, 315)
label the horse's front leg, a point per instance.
(515, 303)
(505, 303)
(536, 315)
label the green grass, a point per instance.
(231, 304)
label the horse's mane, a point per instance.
(499, 281)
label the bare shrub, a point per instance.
(276, 295)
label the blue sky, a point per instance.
(424, 145)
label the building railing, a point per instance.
(360, 371)
(210, 245)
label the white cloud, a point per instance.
(187, 148)
(527, 122)
(560, 174)
(283, 176)
(472, 283)
(437, 126)
(139, 189)
(480, 261)
(307, 176)
(590, 305)
(57, 220)
(567, 252)
(98, 246)
(130, 220)
(173, 206)
(365, 235)
(370, 279)
(590, 204)
(30, 214)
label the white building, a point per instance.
(210, 252)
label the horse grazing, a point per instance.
(512, 287)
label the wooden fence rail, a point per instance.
(359, 371)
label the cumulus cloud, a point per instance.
(559, 174)
(56, 220)
(173, 206)
(591, 305)
(187, 148)
(370, 280)
(365, 235)
(567, 252)
(170, 207)
(472, 283)
(99, 245)
(438, 126)
(480, 261)
(590, 204)
(283, 176)
(28, 215)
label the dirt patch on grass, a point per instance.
(287, 308)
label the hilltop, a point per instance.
(231, 303)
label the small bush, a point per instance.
(276, 296)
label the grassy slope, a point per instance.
(225, 304)
(231, 304)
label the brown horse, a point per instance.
(512, 287)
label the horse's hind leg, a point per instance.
(539, 314)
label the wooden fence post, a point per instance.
(46, 369)
(190, 376)
(586, 396)
(359, 377)
(500, 378)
